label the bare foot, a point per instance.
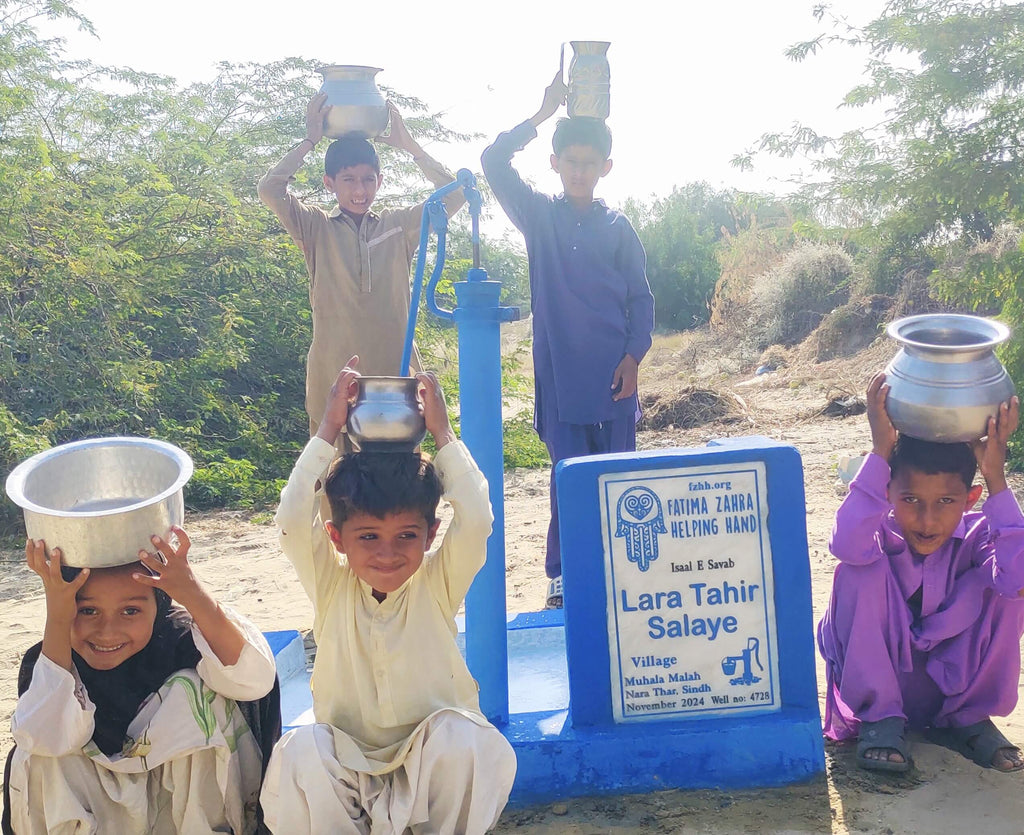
(1008, 759)
(886, 754)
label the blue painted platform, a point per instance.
(538, 674)
(558, 761)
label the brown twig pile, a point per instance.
(688, 408)
(842, 403)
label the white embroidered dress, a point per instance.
(190, 765)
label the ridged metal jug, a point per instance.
(357, 105)
(386, 415)
(589, 80)
(945, 381)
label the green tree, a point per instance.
(945, 159)
(143, 287)
(683, 235)
(942, 171)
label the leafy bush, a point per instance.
(523, 447)
(231, 483)
(989, 278)
(146, 290)
(17, 442)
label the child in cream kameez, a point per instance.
(399, 742)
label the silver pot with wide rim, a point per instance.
(100, 500)
(357, 106)
(386, 415)
(945, 381)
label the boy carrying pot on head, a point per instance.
(399, 741)
(924, 625)
(358, 260)
(593, 312)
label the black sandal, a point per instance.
(979, 742)
(885, 734)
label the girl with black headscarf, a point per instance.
(136, 715)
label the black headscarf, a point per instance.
(118, 693)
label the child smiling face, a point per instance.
(114, 619)
(384, 553)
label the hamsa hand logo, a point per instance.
(640, 519)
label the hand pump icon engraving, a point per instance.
(751, 652)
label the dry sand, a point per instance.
(241, 564)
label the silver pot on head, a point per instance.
(945, 381)
(100, 500)
(386, 415)
(357, 106)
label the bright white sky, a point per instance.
(692, 83)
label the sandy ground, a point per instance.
(239, 560)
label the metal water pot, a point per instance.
(386, 415)
(589, 80)
(100, 500)
(357, 105)
(945, 381)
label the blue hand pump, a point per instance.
(477, 316)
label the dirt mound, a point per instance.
(850, 327)
(688, 408)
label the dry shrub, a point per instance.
(791, 301)
(915, 296)
(688, 408)
(742, 257)
(850, 327)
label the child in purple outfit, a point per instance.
(926, 617)
(593, 311)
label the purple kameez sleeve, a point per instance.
(860, 516)
(512, 193)
(1005, 548)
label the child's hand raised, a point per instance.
(554, 98)
(61, 601)
(883, 433)
(316, 112)
(336, 411)
(991, 450)
(60, 596)
(435, 411)
(170, 570)
(173, 574)
(398, 135)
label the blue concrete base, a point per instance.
(559, 761)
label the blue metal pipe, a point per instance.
(434, 214)
(480, 402)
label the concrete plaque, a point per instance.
(691, 614)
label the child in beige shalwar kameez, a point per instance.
(358, 260)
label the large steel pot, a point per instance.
(945, 381)
(101, 500)
(357, 105)
(386, 415)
